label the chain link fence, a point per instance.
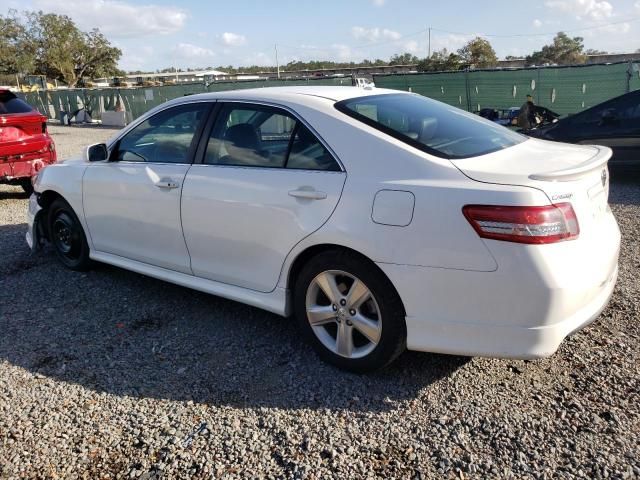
(138, 100)
(564, 90)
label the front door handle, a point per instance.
(167, 183)
(308, 194)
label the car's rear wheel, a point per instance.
(67, 236)
(349, 311)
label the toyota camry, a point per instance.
(380, 220)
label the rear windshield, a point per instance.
(9, 103)
(431, 126)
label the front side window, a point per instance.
(431, 126)
(261, 136)
(166, 137)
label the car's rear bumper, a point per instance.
(464, 337)
(18, 166)
(511, 313)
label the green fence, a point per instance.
(139, 100)
(565, 90)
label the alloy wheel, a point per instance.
(343, 314)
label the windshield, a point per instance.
(431, 126)
(9, 103)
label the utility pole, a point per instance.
(429, 43)
(277, 64)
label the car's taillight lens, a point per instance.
(537, 225)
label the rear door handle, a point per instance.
(308, 194)
(167, 183)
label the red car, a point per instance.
(25, 144)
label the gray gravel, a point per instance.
(109, 374)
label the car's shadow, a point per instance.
(15, 193)
(125, 334)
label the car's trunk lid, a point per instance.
(22, 133)
(565, 173)
(536, 160)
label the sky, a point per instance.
(154, 34)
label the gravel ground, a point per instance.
(109, 374)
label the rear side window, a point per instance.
(261, 136)
(431, 126)
(9, 103)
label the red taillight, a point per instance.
(548, 224)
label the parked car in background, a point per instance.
(614, 123)
(382, 220)
(25, 144)
(489, 113)
(508, 117)
(505, 116)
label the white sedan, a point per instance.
(382, 220)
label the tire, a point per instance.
(360, 326)
(67, 237)
(26, 186)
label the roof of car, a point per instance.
(335, 93)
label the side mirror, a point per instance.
(97, 152)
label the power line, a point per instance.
(441, 30)
(368, 45)
(539, 34)
(394, 40)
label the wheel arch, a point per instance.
(45, 199)
(308, 253)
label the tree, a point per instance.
(563, 51)
(52, 45)
(478, 53)
(593, 51)
(96, 57)
(404, 59)
(440, 60)
(17, 52)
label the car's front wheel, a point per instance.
(67, 236)
(349, 311)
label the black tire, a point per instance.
(390, 312)
(67, 237)
(26, 186)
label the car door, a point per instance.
(132, 201)
(264, 183)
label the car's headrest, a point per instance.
(427, 129)
(243, 136)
